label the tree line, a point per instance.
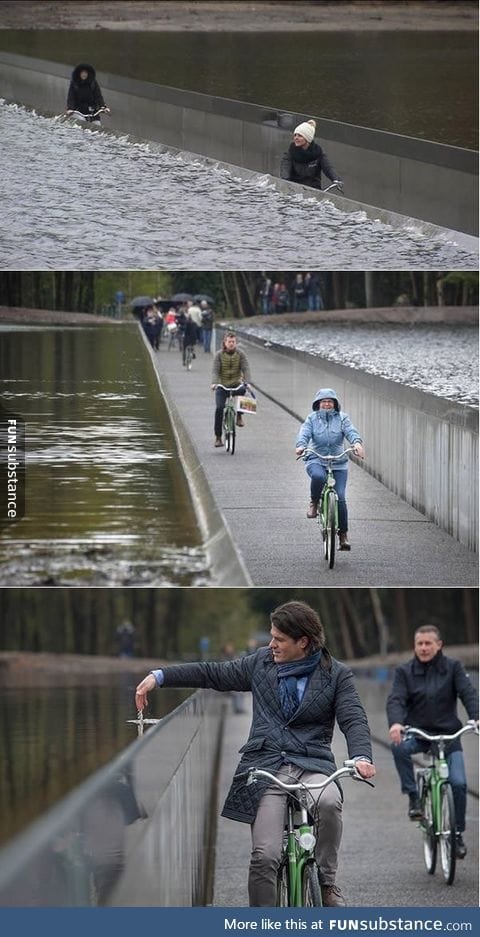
(170, 623)
(235, 293)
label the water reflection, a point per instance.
(54, 735)
(418, 83)
(106, 502)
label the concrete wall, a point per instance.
(415, 178)
(422, 447)
(137, 833)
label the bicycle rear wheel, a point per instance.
(311, 891)
(330, 529)
(283, 889)
(428, 828)
(447, 834)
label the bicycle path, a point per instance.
(381, 859)
(262, 493)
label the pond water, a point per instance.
(54, 736)
(121, 204)
(107, 502)
(438, 359)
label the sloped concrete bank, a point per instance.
(395, 179)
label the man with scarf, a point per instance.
(299, 691)
(230, 368)
(305, 160)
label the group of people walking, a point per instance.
(191, 323)
(302, 295)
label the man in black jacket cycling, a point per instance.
(424, 695)
(305, 160)
(299, 691)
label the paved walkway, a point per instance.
(263, 493)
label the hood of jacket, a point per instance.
(325, 393)
(83, 68)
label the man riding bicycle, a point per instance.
(298, 692)
(424, 695)
(230, 368)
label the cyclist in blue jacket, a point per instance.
(325, 430)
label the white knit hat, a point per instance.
(306, 130)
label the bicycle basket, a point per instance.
(246, 404)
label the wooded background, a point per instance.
(236, 293)
(169, 623)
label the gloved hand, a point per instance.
(339, 183)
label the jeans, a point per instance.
(207, 339)
(267, 835)
(318, 474)
(315, 302)
(402, 755)
(220, 398)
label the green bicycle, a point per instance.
(230, 416)
(298, 876)
(328, 504)
(438, 824)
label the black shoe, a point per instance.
(460, 847)
(414, 807)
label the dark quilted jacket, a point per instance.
(425, 696)
(304, 740)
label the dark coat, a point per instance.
(304, 740)
(190, 334)
(425, 696)
(306, 166)
(84, 96)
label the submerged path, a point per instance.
(262, 493)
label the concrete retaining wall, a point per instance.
(422, 447)
(415, 178)
(137, 833)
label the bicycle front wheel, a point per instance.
(229, 424)
(283, 889)
(447, 834)
(428, 829)
(311, 891)
(330, 528)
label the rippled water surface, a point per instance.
(440, 359)
(106, 500)
(74, 198)
(54, 736)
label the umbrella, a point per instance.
(203, 297)
(180, 297)
(141, 302)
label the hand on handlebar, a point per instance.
(365, 769)
(396, 733)
(299, 450)
(359, 450)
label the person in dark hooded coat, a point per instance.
(305, 160)
(299, 692)
(84, 93)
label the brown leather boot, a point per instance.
(332, 897)
(240, 420)
(344, 544)
(218, 442)
(312, 509)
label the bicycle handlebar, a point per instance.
(101, 110)
(471, 726)
(348, 770)
(231, 389)
(333, 185)
(328, 458)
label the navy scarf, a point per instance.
(287, 681)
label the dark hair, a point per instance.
(424, 629)
(298, 620)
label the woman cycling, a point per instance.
(325, 430)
